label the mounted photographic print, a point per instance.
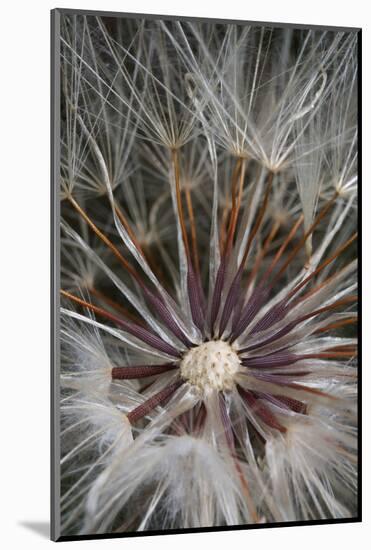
(205, 274)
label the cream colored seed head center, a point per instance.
(210, 366)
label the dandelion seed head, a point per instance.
(208, 275)
(210, 366)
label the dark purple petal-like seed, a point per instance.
(166, 316)
(140, 371)
(271, 317)
(148, 337)
(218, 288)
(274, 360)
(284, 402)
(146, 407)
(232, 297)
(283, 380)
(250, 310)
(257, 406)
(195, 298)
(282, 332)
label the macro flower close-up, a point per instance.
(208, 186)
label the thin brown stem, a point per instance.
(343, 347)
(259, 219)
(338, 324)
(127, 227)
(332, 355)
(105, 239)
(100, 311)
(283, 247)
(342, 302)
(193, 229)
(114, 305)
(238, 177)
(262, 253)
(335, 255)
(223, 226)
(138, 331)
(175, 159)
(302, 241)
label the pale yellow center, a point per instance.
(210, 366)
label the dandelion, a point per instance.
(208, 181)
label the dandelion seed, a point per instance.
(209, 372)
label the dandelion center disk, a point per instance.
(211, 366)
